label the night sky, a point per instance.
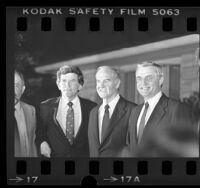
(46, 47)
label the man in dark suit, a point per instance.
(161, 127)
(64, 120)
(109, 120)
(25, 122)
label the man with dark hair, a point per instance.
(25, 123)
(161, 127)
(109, 120)
(64, 120)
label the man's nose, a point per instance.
(144, 82)
(101, 84)
(67, 84)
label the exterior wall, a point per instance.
(181, 78)
(189, 75)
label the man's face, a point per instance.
(69, 85)
(148, 82)
(107, 84)
(19, 87)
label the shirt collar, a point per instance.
(113, 102)
(18, 106)
(154, 100)
(74, 101)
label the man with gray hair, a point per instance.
(160, 127)
(109, 120)
(64, 120)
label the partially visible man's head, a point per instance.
(19, 86)
(107, 82)
(69, 81)
(149, 78)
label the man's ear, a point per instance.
(161, 81)
(23, 88)
(118, 83)
(80, 87)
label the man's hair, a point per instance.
(157, 67)
(21, 76)
(70, 69)
(114, 70)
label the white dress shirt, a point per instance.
(152, 103)
(21, 124)
(62, 113)
(101, 111)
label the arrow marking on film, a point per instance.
(17, 179)
(112, 179)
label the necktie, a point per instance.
(70, 123)
(105, 121)
(142, 122)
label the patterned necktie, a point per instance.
(105, 121)
(142, 122)
(70, 123)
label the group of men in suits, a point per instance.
(70, 126)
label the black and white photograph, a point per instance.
(102, 84)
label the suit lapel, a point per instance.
(83, 115)
(135, 119)
(55, 111)
(17, 148)
(96, 123)
(28, 119)
(56, 123)
(157, 114)
(118, 113)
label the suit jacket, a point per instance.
(170, 132)
(115, 136)
(30, 120)
(50, 130)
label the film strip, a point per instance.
(41, 40)
(118, 24)
(118, 172)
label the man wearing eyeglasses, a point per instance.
(160, 127)
(25, 122)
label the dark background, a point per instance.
(33, 47)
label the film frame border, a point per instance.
(191, 165)
(107, 171)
